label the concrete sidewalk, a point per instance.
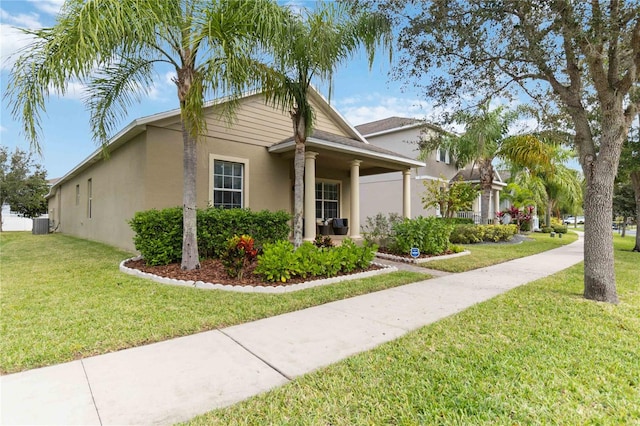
(175, 380)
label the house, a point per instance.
(382, 193)
(247, 163)
(472, 175)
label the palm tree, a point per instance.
(113, 45)
(485, 133)
(537, 162)
(317, 41)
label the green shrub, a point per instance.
(279, 262)
(429, 234)
(458, 220)
(559, 229)
(158, 233)
(456, 248)
(471, 234)
(546, 229)
(379, 229)
(467, 234)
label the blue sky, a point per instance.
(359, 94)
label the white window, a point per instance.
(228, 183)
(442, 155)
(327, 200)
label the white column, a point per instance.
(406, 193)
(310, 195)
(354, 220)
(496, 204)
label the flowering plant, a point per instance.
(240, 253)
(521, 216)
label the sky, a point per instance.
(359, 94)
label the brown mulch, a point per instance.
(212, 271)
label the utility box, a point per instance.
(40, 226)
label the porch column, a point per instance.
(310, 195)
(496, 205)
(354, 225)
(406, 193)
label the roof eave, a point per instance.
(337, 147)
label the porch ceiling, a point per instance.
(336, 152)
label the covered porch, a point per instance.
(333, 167)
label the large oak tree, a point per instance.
(559, 52)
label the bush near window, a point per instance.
(429, 234)
(239, 254)
(280, 262)
(158, 233)
(471, 234)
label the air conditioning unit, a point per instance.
(40, 226)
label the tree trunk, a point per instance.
(299, 128)
(635, 182)
(486, 182)
(190, 256)
(599, 273)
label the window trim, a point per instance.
(340, 191)
(245, 176)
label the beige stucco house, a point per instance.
(248, 163)
(382, 193)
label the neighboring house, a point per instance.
(248, 163)
(383, 193)
(473, 176)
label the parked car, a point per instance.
(572, 220)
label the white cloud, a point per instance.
(52, 7)
(3, 129)
(23, 20)
(12, 40)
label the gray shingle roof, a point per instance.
(386, 124)
(331, 137)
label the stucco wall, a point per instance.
(116, 192)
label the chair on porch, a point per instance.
(340, 226)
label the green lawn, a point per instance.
(63, 298)
(539, 354)
(483, 255)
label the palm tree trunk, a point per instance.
(299, 128)
(635, 182)
(486, 181)
(190, 257)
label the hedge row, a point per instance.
(470, 234)
(158, 233)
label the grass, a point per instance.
(539, 354)
(63, 298)
(483, 255)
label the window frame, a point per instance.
(245, 178)
(338, 200)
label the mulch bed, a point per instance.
(212, 271)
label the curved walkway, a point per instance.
(175, 380)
